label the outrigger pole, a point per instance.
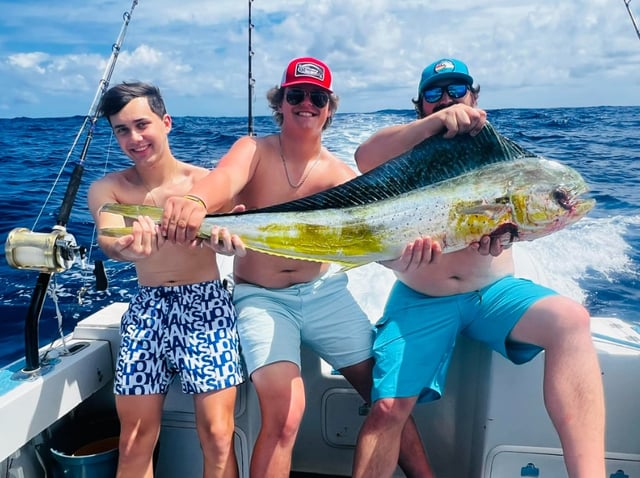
(251, 80)
(56, 251)
(633, 20)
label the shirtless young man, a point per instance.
(181, 321)
(437, 295)
(283, 302)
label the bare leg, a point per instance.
(573, 390)
(410, 453)
(139, 429)
(281, 395)
(379, 442)
(215, 424)
(413, 459)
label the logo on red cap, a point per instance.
(307, 70)
(310, 69)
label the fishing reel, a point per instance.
(54, 251)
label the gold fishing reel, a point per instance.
(54, 251)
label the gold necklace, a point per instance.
(286, 171)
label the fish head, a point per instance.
(548, 198)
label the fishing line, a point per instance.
(99, 276)
(51, 353)
(90, 119)
(60, 171)
(57, 251)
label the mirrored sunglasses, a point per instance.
(454, 90)
(295, 96)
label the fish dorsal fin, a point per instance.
(435, 159)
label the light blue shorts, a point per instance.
(187, 330)
(322, 314)
(415, 337)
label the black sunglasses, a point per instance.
(295, 96)
(454, 90)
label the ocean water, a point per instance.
(595, 261)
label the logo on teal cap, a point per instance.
(444, 69)
(444, 65)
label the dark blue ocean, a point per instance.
(595, 261)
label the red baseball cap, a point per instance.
(307, 70)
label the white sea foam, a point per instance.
(589, 248)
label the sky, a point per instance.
(524, 54)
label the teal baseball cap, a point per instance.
(444, 69)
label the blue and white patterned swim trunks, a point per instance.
(187, 330)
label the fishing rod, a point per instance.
(633, 20)
(251, 80)
(57, 250)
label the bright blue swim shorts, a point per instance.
(415, 337)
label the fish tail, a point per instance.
(133, 210)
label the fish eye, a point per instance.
(561, 196)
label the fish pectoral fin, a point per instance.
(489, 210)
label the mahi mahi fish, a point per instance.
(454, 190)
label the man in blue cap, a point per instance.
(473, 292)
(448, 77)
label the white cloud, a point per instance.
(29, 61)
